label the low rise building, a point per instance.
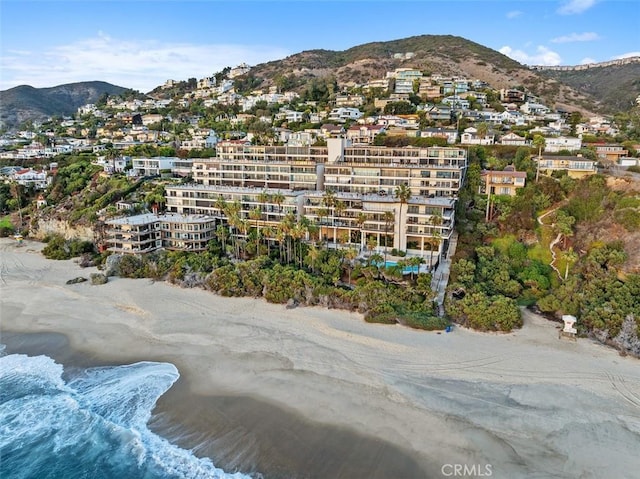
(575, 166)
(149, 232)
(505, 182)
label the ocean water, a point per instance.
(93, 425)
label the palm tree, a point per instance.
(389, 219)
(287, 225)
(268, 232)
(221, 205)
(402, 194)
(329, 201)
(254, 215)
(322, 212)
(340, 208)
(570, 257)
(371, 244)
(361, 219)
(350, 254)
(313, 255)
(539, 142)
(413, 262)
(278, 199)
(222, 233)
(481, 130)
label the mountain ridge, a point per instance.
(24, 102)
(587, 90)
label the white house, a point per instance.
(513, 139)
(554, 145)
(535, 109)
(450, 134)
(29, 177)
(153, 166)
(470, 137)
(343, 114)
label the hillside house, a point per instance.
(471, 137)
(342, 114)
(364, 134)
(513, 139)
(610, 153)
(504, 182)
(575, 166)
(449, 134)
(554, 145)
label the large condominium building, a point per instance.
(149, 232)
(347, 192)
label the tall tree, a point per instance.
(539, 142)
(389, 219)
(403, 195)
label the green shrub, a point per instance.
(131, 266)
(629, 218)
(60, 248)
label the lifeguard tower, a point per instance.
(568, 331)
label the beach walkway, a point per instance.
(440, 277)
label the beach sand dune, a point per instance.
(310, 392)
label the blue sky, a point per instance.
(141, 43)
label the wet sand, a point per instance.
(242, 433)
(319, 393)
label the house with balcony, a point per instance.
(449, 134)
(505, 182)
(343, 114)
(345, 99)
(471, 137)
(329, 130)
(514, 139)
(575, 166)
(534, 109)
(554, 145)
(610, 153)
(404, 86)
(429, 91)
(149, 232)
(29, 177)
(510, 95)
(364, 134)
(151, 166)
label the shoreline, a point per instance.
(522, 402)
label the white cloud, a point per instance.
(587, 60)
(141, 65)
(513, 14)
(626, 55)
(543, 56)
(575, 6)
(576, 37)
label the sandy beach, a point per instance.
(310, 392)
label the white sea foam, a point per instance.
(94, 426)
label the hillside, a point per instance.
(614, 87)
(438, 54)
(24, 102)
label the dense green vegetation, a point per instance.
(60, 248)
(6, 227)
(504, 257)
(327, 277)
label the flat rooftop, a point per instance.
(148, 218)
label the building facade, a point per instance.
(348, 193)
(145, 233)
